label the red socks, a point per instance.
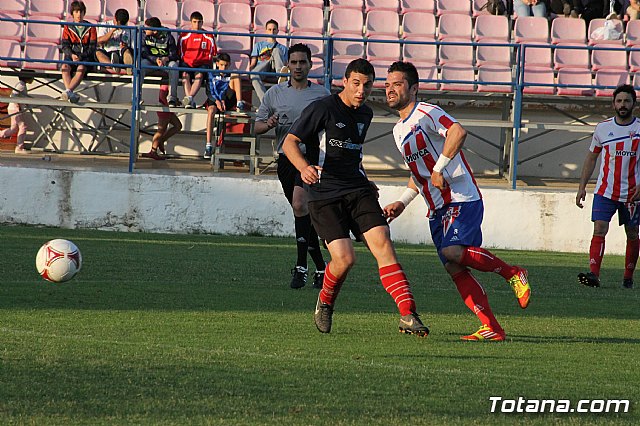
(330, 287)
(596, 251)
(630, 258)
(475, 298)
(483, 260)
(396, 284)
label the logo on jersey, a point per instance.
(610, 134)
(623, 153)
(345, 144)
(340, 125)
(360, 128)
(411, 158)
(449, 217)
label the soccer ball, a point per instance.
(58, 260)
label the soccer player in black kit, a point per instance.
(341, 198)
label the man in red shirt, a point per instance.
(197, 50)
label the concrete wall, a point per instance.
(522, 219)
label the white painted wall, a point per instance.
(522, 219)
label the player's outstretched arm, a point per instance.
(395, 209)
(587, 170)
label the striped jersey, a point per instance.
(619, 161)
(197, 49)
(420, 139)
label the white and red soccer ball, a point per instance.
(58, 260)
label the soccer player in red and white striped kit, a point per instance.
(617, 139)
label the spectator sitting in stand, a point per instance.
(159, 49)
(164, 132)
(115, 44)
(530, 8)
(634, 10)
(220, 98)
(18, 126)
(567, 8)
(197, 50)
(78, 44)
(267, 56)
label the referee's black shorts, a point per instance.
(357, 212)
(289, 176)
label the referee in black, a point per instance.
(341, 198)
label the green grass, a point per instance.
(166, 329)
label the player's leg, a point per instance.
(628, 215)
(602, 211)
(306, 236)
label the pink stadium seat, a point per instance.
(478, 8)
(239, 62)
(633, 33)
(634, 61)
(531, 29)
(311, 3)
(428, 6)
(317, 69)
(11, 30)
(392, 5)
(41, 51)
(203, 6)
(492, 27)
(110, 7)
(389, 52)
(453, 6)
(538, 56)
(264, 12)
(598, 23)
(382, 22)
(233, 44)
(345, 20)
(94, 10)
(234, 17)
(284, 3)
(427, 71)
(611, 78)
(166, 10)
(380, 67)
(538, 75)
(454, 26)
(418, 24)
(45, 33)
(348, 49)
(10, 49)
(316, 46)
(353, 4)
(608, 59)
(232, 1)
(493, 54)
(14, 7)
(494, 74)
(570, 58)
(420, 52)
(461, 72)
(568, 30)
(573, 77)
(449, 53)
(337, 71)
(636, 84)
(306, 19)
(38, 9)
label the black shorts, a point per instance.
(289, 177)
(75, 67)
(116, 56)
(192, 74)
(357, 212)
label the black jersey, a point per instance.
(333, 134)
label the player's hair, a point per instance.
(626, 88)
(272, 21)
(122, 16)
(78, 5)
(407, 69)
(223, 56)
(196, 15)
(361, 66)
(153, 22)
(300, 47)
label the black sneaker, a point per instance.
(318, 279)
(589, 279)
(322, 316)
(627, 283)
(173, 103)
(208, 152)
(299, 277)
(411, 324)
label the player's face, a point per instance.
(196, 24)
(357, 88)
(222, 65)
(623, 105)
(399, 94)
(299, 66)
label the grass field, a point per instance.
(166, 329)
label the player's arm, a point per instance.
(456, 135)
(291, 149)
(263, 126)
(587, 170)
(395, 209)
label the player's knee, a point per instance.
(452, 253)
(299, 207)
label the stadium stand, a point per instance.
(537, 75)
(94, 11)
(234, 17)
(205, 7)
(492, 28)
(382, 22)
(41, 9)
(311, 3)
(632, 34)
(494, 73)
(597, 24)
(110, 7)
(614, 59)
(420, 52)
(611, 78)
(391, 5)
(568, 55)
(345, 21)
(10, 30)
(353, 4)
(568, 30)
(306, 19)
(572, 77)
(10, 48)
(14, 7)
(428, 6)
(166, 10)
(455, 27)
(531, 29)
(419, 24)
(264, 12)
(478, 7)
(458, 77)
(453, 6)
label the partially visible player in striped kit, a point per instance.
(617, 190)
(430, 141)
